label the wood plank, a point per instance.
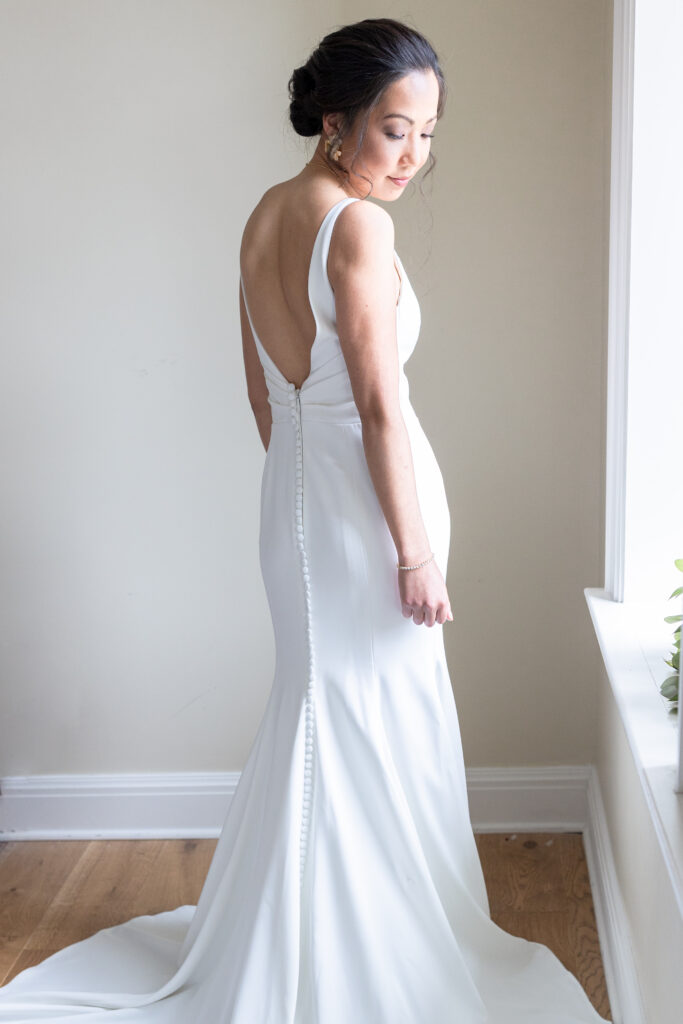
(538, 887)
(118, 880)
(31, 874)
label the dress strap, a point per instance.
(320, 289)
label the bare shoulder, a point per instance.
(262, 214)
(363, 234)
(365, 216)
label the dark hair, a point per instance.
(350, 70)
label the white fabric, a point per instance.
(346, 885)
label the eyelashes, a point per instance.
(425, 135)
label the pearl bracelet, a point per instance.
(419, 564)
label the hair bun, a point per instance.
(303, 111)
(303, 79)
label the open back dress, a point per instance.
(346, 886)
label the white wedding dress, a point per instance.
(346, 887)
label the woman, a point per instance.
(346, 885)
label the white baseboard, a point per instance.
(194, 804)
(561, 798)
(543, 798)
(169, 805)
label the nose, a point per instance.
(411, 156)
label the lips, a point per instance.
(399, 181)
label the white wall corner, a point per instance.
(618, 958)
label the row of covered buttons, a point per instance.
(309, 707)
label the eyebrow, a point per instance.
(406, 118)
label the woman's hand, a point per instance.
(424, 596)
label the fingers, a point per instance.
(445, 614)
(426, 614)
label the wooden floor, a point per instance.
(538, 887)
(55, 893)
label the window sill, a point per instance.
(635, 640)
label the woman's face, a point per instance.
(397, 139)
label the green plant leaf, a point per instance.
(669, 688)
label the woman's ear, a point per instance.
(331, 124)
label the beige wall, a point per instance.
(137, 137)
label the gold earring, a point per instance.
(337, 151)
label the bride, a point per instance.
(346, 885)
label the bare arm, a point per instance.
(257, 388)
(361, 272)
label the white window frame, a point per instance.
(618, 319)
(633, 636)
